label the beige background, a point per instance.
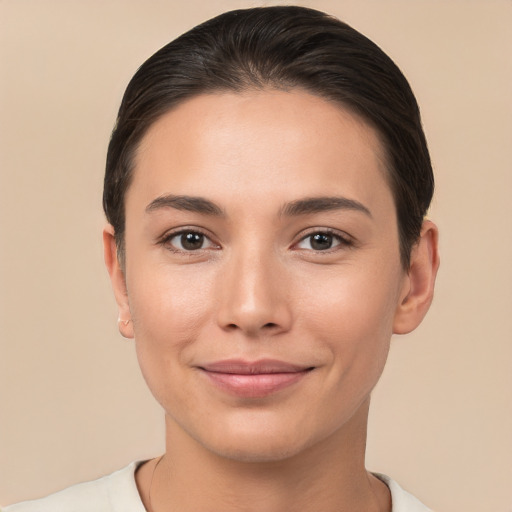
(73, 405)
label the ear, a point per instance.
(418, 289)
(118, 281)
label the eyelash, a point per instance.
(342, 241)
(166, 240)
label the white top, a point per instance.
(118, 493)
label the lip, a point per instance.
(255, 379)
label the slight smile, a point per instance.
(256, 379)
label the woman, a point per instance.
(266, 186)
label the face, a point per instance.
(262, 269)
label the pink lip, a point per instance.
(254, 379)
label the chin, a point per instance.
(256, 442)
(258, 451)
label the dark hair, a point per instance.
(281, 47)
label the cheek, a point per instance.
(169, 310)
(167, 304)
(353, 319)
(352, 299)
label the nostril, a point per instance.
(269, 325)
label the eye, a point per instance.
(322, 241)
(187, 241)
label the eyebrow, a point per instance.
(186, 203)
(311, 205)
(304, 206)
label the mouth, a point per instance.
(256, 379)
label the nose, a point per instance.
(253, 295)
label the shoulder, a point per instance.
(116, 492)
(402, 501)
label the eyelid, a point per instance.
(169, 235)
(344, 239)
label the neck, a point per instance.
(328, 476)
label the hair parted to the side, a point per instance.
(280, 47)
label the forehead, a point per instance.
(260, 144)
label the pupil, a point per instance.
(192, 241)
(321, 241)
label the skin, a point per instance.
(258, 287)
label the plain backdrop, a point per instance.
(73, 405)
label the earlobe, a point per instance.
(117, 278)
(418, 289)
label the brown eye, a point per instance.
(322, 241)
(192, 241)
(187, 241)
